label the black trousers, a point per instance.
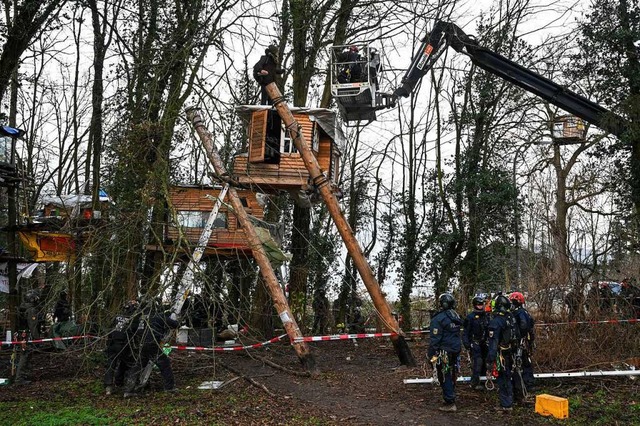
(150, 352)
(119, 361)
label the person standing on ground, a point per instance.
(444, 348)
(119, 349)
(526, 344)
(29, 329)
(474, 339)
(501, 335)
(153, 334)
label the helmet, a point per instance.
(478, 300)
(447, 301)
(130, 307)
(517, 298)
(502, 304)
(32, 296)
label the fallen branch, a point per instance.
(249, 379)
(279, 367)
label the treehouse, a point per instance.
(76, 207)
(568, 129)
(61, 226)
(272, 162)
(189, 209)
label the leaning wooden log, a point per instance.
(277, 295)
(321, 183)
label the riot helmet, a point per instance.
(446, 301)
(478, 301)
(502, 304)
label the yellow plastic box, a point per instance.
(549, 405)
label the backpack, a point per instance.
(510, 337)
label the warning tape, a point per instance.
(228, 348)
(52, 339)
(342, 337)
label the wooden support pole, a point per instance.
(279, 300)
(321, 182)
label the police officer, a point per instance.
(444, 348)
(29, 318)
(525, 324)
(153, 332)
(474, 339)
(501, 337)
(119, 349)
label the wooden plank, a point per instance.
(257, 136)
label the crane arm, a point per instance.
(445, 34)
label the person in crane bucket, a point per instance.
(266, 70)
(444, 348)
(351, 67)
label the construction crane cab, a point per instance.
(446, 34)
(355, 82)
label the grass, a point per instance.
(616, 405)
(81, 401)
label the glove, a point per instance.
(174, 316)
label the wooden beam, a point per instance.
(280, 302)
(322, 182)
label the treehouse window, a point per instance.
(316, 139)
(286, 143)
(198, 219)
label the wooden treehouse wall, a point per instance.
(193, 199)
(289, 173)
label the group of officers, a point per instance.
(135, 342)
(499, 337)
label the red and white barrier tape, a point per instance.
(341, 337)
(52, 339)
(229, 348)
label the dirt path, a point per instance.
(362, 385)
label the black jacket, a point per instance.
(444, 332)
(159, 326)
(269, 64)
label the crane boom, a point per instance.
(445, 34)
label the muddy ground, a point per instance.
(359, 383)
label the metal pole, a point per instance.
(279, 300)
(321, 182)
(544, 376)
